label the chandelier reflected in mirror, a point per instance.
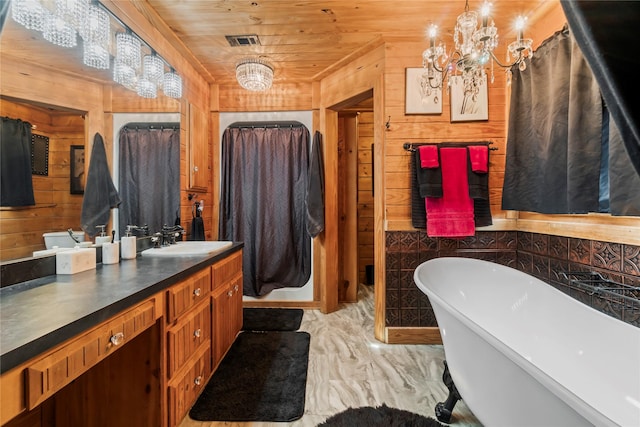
(254, 74)
(62, 21)
(474, 51)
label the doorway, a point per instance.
(355, 196)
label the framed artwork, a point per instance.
(419, 97)
(464, 106)
(39, 154)
(76, 162)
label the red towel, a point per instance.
(428, 156)
(452, 214)
(479, 156)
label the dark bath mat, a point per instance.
(262, 378)
(271, 319)
(382, 416)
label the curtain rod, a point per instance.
(253, 125)
(153, 125)
(411, 146)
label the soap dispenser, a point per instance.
(102, 238)
(128, 243)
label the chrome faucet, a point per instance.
(167, 236)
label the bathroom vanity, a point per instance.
(131, 343)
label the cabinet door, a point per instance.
(236, 308)
(222, 298)
(198, 146)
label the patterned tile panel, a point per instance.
(631, 260)
(607, 255)
(543, 256)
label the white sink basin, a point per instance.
(190, 248)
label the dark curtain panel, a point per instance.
(262, 203)
(624, 182)
(554, 139)
(605, 30)
(16, 187)
(149, 177)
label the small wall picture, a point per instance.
(76, 162)
(467, 106)
(420, 98)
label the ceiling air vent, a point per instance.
(243, 40)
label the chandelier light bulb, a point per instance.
(147, 88)
(58, 32)
(128, 50)
(172, 85)
(153, 68)
(29, 13)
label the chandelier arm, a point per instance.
(519, 59)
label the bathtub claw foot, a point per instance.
(444, 409)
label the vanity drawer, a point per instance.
(187, 336)
(52, 372)
(187, 294)
(184, 390)
(225, 270)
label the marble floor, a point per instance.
(348, 367)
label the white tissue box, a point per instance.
(75, 260)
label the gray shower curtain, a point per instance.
(262, 203)
(149, 177)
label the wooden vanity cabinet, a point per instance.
(227, 304)
(204, 315)
(145, 367)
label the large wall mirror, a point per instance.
(64, 100)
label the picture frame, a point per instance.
(415, 103)
(39, 154)
(76, 169)
(464, 108)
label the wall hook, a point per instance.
(388, 124)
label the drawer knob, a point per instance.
(235, 288)
(117, 339)
(198, 380)
(197, 333)
(230, 294)
(197, 292)
(195, 169)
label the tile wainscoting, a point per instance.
(541, 255)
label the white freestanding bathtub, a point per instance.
(522, 353)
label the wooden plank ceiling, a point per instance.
(304, 40)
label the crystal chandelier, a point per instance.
(474, 48)
(61, 21)
(254, 74)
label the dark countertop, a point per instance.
(39, 314)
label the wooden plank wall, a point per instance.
(56, 208)
(435, 129)
(365, 192)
